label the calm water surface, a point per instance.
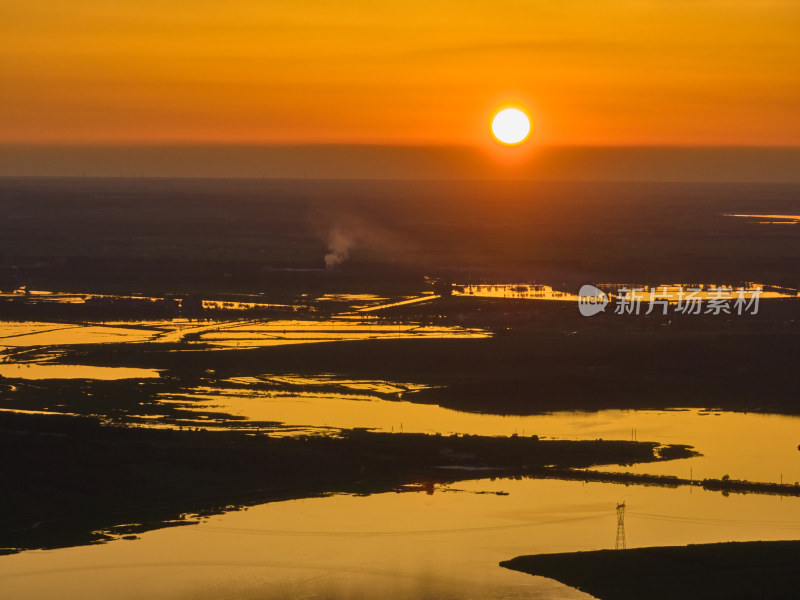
(752, 446)
(394, 545)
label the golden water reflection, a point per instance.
(239, 333)
(399, 546)
(758, 447)
(48, 371)
(254, 335)
(528, 291)
(772, 219)
(18, 335)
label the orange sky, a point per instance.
(659, 72)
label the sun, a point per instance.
(511, 126)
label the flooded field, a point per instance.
(51, 297)
(770, 219)
(40, 371)
(675, 293)
(20, 335)
(427, 539)
(296, 332)
(140, 406)
(444, 544)
(670, 292)
(221, 334)
(749, 446)
(527, 291)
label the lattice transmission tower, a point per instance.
(620, 545)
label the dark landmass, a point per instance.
(375, 161)
(162, 235)
(729, 571)
(549, 359)
(180, 239)
(22, 307)
(73, 480)
(70, 480)
(725, 485)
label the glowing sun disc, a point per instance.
(511, 126)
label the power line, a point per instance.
(717, 521)
(251, 531)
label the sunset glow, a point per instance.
(656, 73)
(355, 299)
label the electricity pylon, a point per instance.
(620, 545)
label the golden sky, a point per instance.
(660, 72)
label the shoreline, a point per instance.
(75, 480)
(741, 570)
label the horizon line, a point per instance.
(529, 146)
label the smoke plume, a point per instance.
(339, 245)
